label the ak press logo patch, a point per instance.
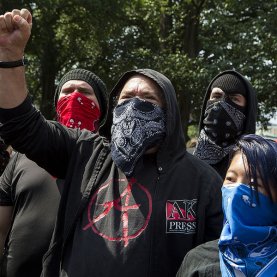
(181, 216)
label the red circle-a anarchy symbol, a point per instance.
(123, 207)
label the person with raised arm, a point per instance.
(133, 197)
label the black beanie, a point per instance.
(93, 80)
(229, 83)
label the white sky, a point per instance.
(274, 119)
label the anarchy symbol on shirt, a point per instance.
(127, 217)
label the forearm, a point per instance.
(15, 30)
(12, 87)
(28, 132)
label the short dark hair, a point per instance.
(261, 156)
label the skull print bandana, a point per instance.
(137, 126)
(77, 111)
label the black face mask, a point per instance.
(137, 126)
(4, 157)
(223, 121)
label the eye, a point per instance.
(151, 98)
(230, 179)
(238, 99)
(216, 95)
(66, 91)
(235, 99)
(125, 97)
(85, 91)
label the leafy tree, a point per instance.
(65, 35)
(241, 35)
(190, 41)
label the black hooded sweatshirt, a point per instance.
(251, 115)
(110, 225)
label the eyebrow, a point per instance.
(236, 94)
(217, 92)
(146, 92)
(216, 89)
(231, 171)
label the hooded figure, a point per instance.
(133, 197)
(224, 119)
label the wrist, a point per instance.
(15, 63)
(9, 56)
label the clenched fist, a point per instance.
(15, 30)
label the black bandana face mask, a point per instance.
(223, 121)
(137, 126)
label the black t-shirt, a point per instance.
(34, 195)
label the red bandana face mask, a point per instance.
(77, 111)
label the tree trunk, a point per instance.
(48, 90)
(166, 24)
(191, 49)
(49, 70)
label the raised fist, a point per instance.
(15, 30)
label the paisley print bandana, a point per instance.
(77, 111)
(248, 241)
(137, 126)
(208, 151)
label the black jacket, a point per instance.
(175, 198)
(202, 261)
(251, 115)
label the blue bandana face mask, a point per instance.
(248, 241)
(137, 126)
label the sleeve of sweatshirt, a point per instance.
(47, 143)
(202, 260)
(214, 213)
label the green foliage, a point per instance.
(241, 35)
(189, 41)
(193, 131)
